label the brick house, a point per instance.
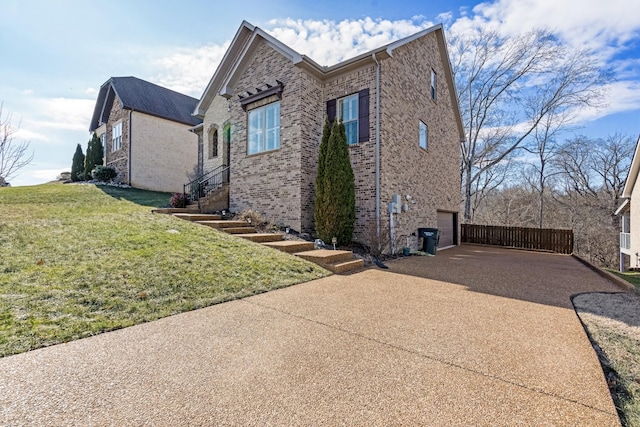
(263, 112)
(144, 132)
(629, 213)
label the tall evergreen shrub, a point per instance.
(77, 165)
(94, 155)
(336, 204)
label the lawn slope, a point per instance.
(78, 260)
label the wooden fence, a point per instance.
(548, 239)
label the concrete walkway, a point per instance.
(491, 340)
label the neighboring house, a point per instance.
(144, 132)
(263, 113)
(629, 212)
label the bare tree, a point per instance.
(507, 86)
(544, 146)
(13, 156)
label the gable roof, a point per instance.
(633, 172)
(245, 42)
(139, 95)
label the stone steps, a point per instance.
(170, 211)
(260, 237)
(291, 246)
(221, 224)
(336, 261)
(239, 230)
(197, 217)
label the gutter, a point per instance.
(377, 178)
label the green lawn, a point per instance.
(78, 260)
(632, 277)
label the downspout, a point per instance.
(130, 141)
(373, 55)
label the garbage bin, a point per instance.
(431, 238)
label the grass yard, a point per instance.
(613, 322)
(78, 260)
(632, 277)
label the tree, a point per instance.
(337, 204)
(94, 155)
(77, 165)
(13, 156)
(508, 85)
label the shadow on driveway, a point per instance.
(543, 278)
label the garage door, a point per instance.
(448, 228)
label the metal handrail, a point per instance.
(206, 183)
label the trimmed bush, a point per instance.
(179, 200)
(103, 173)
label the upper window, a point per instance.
(264, 129)
(423, 135)
(213, 143)
(116, 137)
(348, 112)
(433, 85)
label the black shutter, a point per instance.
(331, 110)
(363, 115)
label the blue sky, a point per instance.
(55, 54)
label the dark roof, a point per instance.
(139, 95)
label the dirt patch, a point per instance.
(612, 321)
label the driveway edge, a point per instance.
(621, 283)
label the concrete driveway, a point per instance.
(473, 336)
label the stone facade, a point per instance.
(281, 183)
(118, 159)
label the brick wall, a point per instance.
(268, 182)
(281, 183)
(362, 154)
(430, 177)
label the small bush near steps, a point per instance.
(179, 200)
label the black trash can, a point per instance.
(431, 238)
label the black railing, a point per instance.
(206, 183)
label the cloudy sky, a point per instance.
(55, 54)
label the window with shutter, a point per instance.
(354, 112)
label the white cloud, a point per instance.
(620, 96)
(329, 42)
(591, 24)
(189, 70)
(59, 113)
(91, 91)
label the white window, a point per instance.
(116, 137)
(264, 129)
(348, 112)
(433, 85)
(423, 135)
